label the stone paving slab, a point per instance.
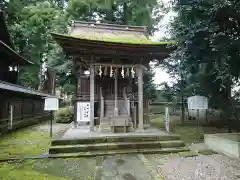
(84, 131)
(124, 167)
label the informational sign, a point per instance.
(167, 119)
(51, 104)
(197, 102)
(83, 111)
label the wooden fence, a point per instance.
(19, 112)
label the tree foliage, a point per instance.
(207, 38)
(32, 21)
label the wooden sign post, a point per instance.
(198, 103)
(51, 104)
(167, 119)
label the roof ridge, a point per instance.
(110, 26)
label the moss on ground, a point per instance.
(30, 141)
(188, 154)
(33, 141)
(49, 169)
(207, 152)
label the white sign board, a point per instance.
(197, 102)
(83, 111)
(167, 119)
(51, 104)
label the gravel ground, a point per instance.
(211, 167)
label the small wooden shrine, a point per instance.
(114, 57)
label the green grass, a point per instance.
(30, 141)
(194, 134)
(188, 133)
(157, 121)
(49, 169)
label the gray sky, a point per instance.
(161, 76)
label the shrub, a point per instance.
(64, 115)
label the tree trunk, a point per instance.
(110, 14)
(125, 13)
(228, 105)
(40, 78)
(229, 125)
(182, 99)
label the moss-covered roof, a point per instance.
(112, 33)
(110, 40)
(122, 39)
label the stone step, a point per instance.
(120, 129)
(115, 138)
(104, 126)
(125, 151)
(115, 146)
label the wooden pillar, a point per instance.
(116, 95)
(79, 74)
(78, 92)
(102, 103)
(140, 97)
(134, 115)
(75, 112)
(147, 112)
(92, 69)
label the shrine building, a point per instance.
(110, 96)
